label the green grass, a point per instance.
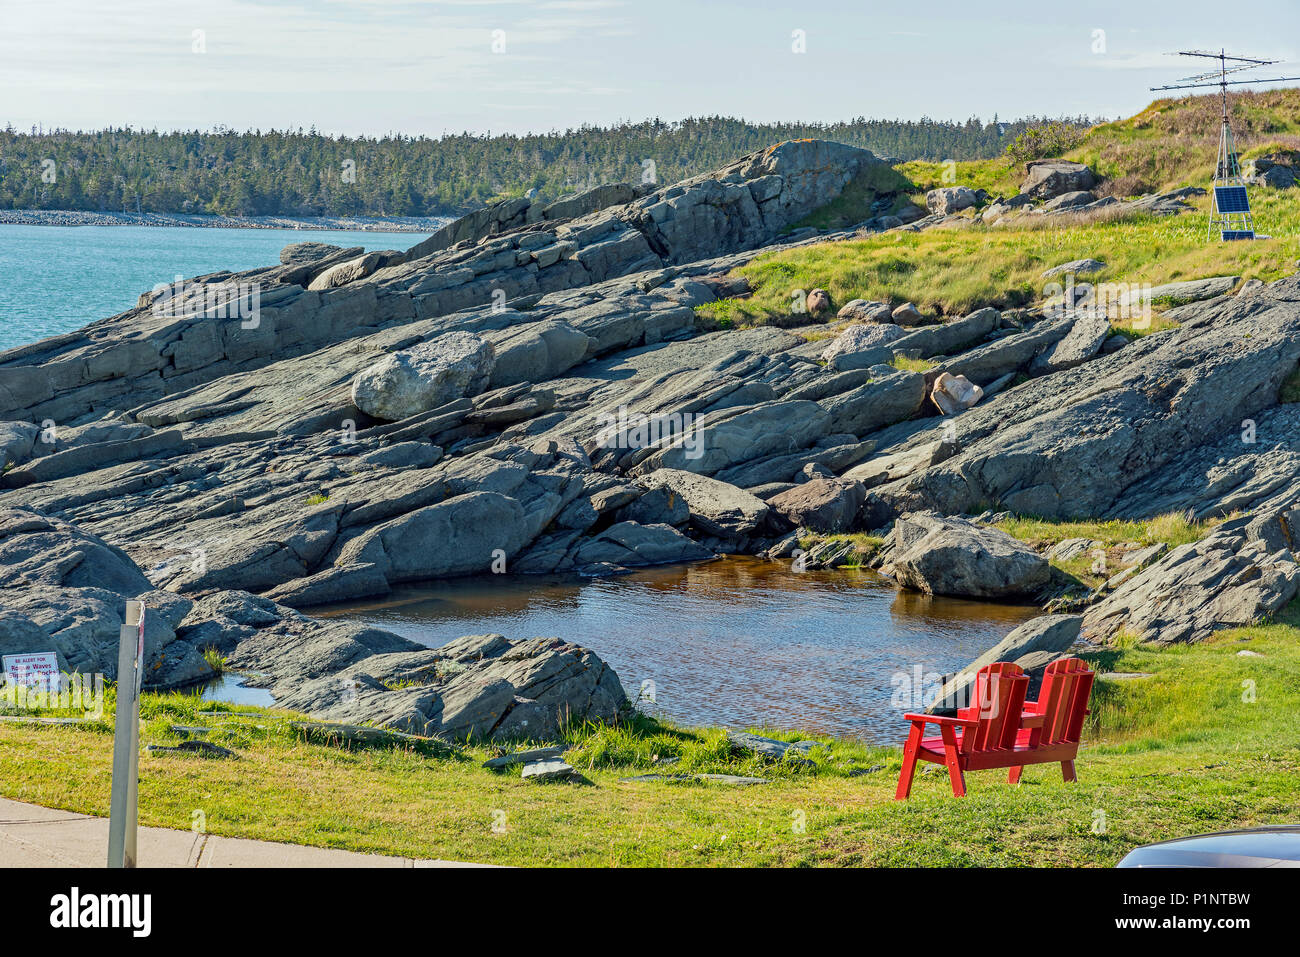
(1174, 143)
(951, 272)
(1172, 528)
(999, 176)
(865, 544)
(1170, 144)
(912, 365)
(1178, 753)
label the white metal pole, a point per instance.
(126, 740)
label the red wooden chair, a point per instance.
(1052, 725)
(981, 736)
(1002, 730)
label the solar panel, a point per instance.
(1231, 199)
(1230, 234)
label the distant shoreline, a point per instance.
(62, 217)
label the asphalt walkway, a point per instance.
(35, 836)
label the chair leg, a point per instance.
(955, 775)
(1067, 771)
(953, 760)
(1013, 774)
(909, 764)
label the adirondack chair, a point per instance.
(981, 736)
(1001, 730)
(1052, 725)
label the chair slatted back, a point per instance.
(999, 696)
(1063, 700)
(1008, 668)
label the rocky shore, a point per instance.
(532, 390)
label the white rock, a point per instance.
(421, 378)
(862, 338)
(954, 393)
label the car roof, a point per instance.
(1270, 846)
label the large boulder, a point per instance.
(952, 556)
(1071, 200)
(470, 530)
(823, 505)
(347, 272)
(298, 254)
(716, 508)
(1190, 290)
(870, 338)
(424, 377)
(749, 202)
(1076, 267)
(883, 401)
(731, 436)
(1049, 178)
(1033, 646)
(1278, 177)
(630, 544)
(478, 686)
(864, 310)
(17, 441)
(950, 199)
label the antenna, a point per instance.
(1230, 205)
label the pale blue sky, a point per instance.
(427, 66)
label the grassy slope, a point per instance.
(1176, 753)
(951, 271)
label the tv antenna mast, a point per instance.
(1229, 204)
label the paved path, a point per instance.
(35, 836)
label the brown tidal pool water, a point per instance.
(736, 642)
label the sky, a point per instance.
(510, 66)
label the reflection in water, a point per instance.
(735, 642)
(230, 688)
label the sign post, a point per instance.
(126, 739)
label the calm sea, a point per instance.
(55, 279)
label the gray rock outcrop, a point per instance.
(1241, 572)
(951, 199)
(615, 424)
(951, 556)
(1049, 178)
(453, 366)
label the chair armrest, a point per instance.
(936, 719)
(1032, 720)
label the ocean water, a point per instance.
(736, 642)
(56, 279)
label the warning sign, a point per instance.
(38, 670)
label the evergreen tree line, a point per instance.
(303, 173)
